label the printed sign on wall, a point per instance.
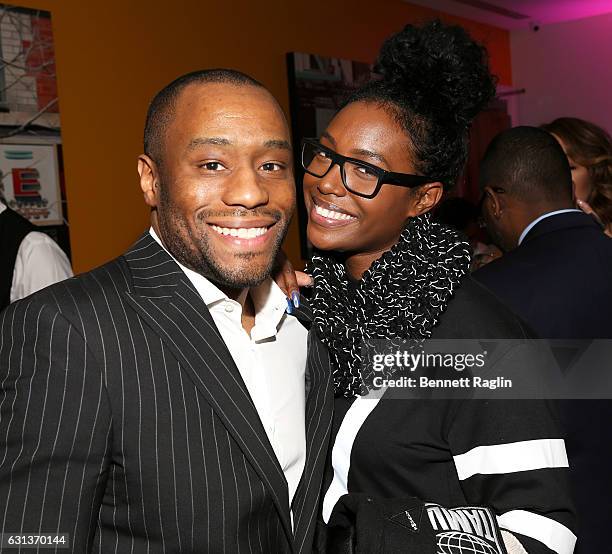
(30, 182)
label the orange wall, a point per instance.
(113, 55)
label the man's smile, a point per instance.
(243, 232)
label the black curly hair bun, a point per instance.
(443, 71)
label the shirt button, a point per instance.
(229, 308)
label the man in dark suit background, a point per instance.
(165, 402)
(556, 274)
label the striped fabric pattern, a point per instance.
(511, 457)
(125, 422)
(458, 453)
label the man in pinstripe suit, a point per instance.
(165, 402)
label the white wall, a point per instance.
(566, 69)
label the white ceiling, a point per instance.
(520, 14)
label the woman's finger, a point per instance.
(303, 279)
(290, 280)
(291, 283)
(281, 271)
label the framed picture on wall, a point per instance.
(30, 126)
(318, 86)
(29, 182)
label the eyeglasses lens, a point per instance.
(357, 178)
(315, 160)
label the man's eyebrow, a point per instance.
(369, 154)
(278, 143)
(326, 135)
(200, 141)
(220, 141)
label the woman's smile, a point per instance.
(327, 214)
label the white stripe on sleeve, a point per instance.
(553, 534)
(512, 457)
(360, 409)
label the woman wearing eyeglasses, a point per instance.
(385, 270)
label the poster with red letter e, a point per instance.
(30, 182)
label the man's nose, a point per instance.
(246, 188)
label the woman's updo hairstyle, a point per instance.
(434, 80)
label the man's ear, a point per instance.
(149, 179)
(426, 197)
(495, 202)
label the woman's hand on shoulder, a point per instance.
(289, 280)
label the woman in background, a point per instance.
(385, 270)
(589, 152)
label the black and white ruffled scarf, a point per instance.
(401, 296)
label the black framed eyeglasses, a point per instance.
(361, 178)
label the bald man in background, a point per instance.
(556, 274)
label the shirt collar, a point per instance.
(543, 216)
(269, 300)
(2, 206)
(270, 304)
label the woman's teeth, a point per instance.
(242, 232)
(330, 214)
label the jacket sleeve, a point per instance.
(55, 426)
(510, 456)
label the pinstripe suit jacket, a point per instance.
(125, 422)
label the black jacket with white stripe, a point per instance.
(508, 455)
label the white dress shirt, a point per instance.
(543, 216)
(272, 363)
(40, 262)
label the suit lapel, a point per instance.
(319, 412)
(304, 315)
(165, 298)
